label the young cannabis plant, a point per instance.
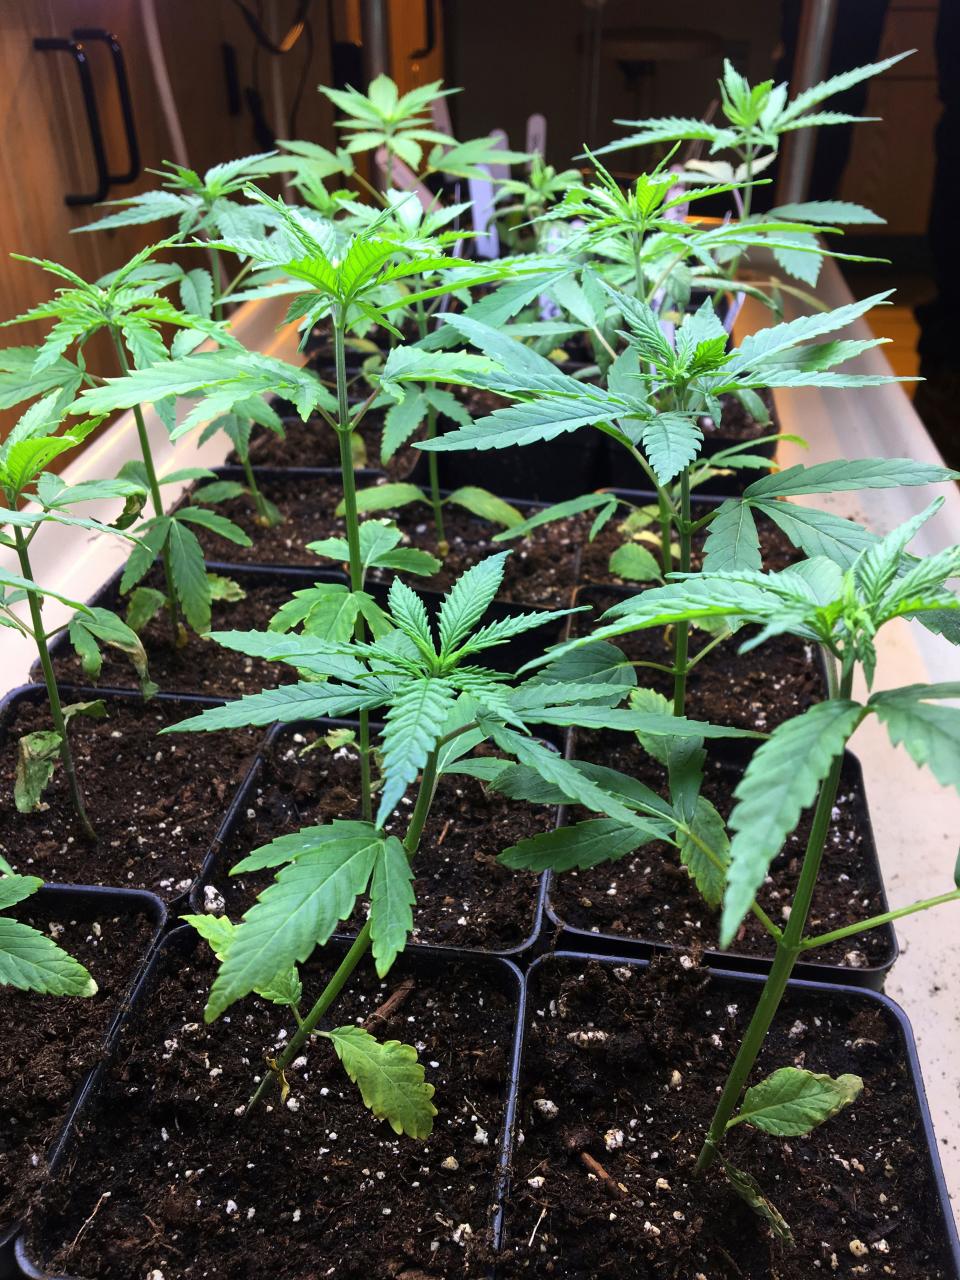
(204, 205)
(438, 705)
(841, 610)
(523, 201)
(29, 448)
(656, 392)
(401, 125)
(757, 118)
(128, 305)
(29, 960)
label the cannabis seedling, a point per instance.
(129, 306)
(842, 611)
(438, 707)
(29, 960)
(757, 118)
(29, 448)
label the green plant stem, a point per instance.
(874, 922)
(156, 498)
(433, 462)
(361, 944)
(258, 499)
(352, 519)
(53, 693)
(789, 947)
(681, 640)
(214, 256)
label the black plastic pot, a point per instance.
(216, 868)
(80, 902)
(182, 941)
(872, 977)
(830, 995)
(37, 693)
(551, 471)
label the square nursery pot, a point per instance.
(854, 962)
(471, 905)
(620, 1069)
(139, 1115)
(203, 781)
(549, 471)
(141, 916)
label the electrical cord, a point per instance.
(294, 32)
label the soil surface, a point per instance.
(200, 666)
(757, 690)
(315, 1188)
(156, 803)
(54, 1042)
(856, 1191)
(315, 444)
(542, 572)
(464, 897)
(649, 895)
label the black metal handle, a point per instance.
(430, 22)
(123, 92)
(55, 44)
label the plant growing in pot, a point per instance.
(129, 306)
(841, 610)
(439, 706)
(657, 390)
(32, 444)
(757, 118)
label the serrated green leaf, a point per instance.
(384, 497)
(585, 844)
(708, 874)
(732, 540)
(748, 1189)
(671, 442)
(468, 600)
(391, 902)
(790, 1102)
(412, 725)
(781, 780)
(37, 754)
(390, 1079)
(30, 961)
(929, 733)
(292, 916)
(635, 563)
(284, 988)
(189, 575)
(306, 701)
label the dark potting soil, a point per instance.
(54, 1042)
(156, 803)
(200, 666)
(776, 549)
(637, 1096)
(649, 894)
(757, 690)
(315, 444)
(542, 572)
(314, 1188)
(464, 897)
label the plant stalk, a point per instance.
(433, 462)
(681, 635)
(352, 520)
(146, 454)
(259, 501)
(53, 693)
(788, 948)
(361, 944)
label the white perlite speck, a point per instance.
(613, 1139)
(546, 1109)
